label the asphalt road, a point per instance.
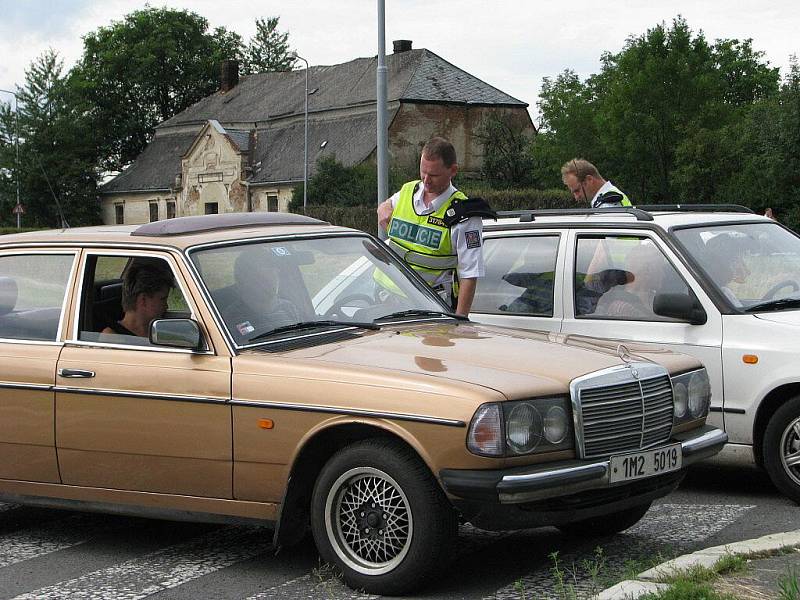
(47, 554)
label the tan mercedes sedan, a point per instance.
(276, 369)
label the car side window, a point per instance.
(520, 276)
(122, 294)
(617, 277)
(32, 290)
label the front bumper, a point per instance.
(539, 482)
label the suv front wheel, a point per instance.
(782, 448)
(380, 516)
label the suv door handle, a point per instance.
(73, 373)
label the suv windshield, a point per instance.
(756, 266)
(265, 287)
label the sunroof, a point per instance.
(185, 225)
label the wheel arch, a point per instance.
(771, 403)
(316, 449)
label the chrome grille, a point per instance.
(617, 412)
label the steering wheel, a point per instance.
(357, 300)
(786, 283)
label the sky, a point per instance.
(510, 44)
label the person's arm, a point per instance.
(466, 293)
(385, 209)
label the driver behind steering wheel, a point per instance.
(257, 307)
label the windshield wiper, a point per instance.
(775, 305)
(311, 325)
(417, 312)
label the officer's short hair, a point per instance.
(439, 147)
(144, 277)
(580, 167)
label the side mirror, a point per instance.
(685, 307)
(176, 333)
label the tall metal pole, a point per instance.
(383, 131)
(305, 139)
(18, 208)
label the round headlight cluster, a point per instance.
(556, 425)
(524, 428)
(699, 394)
(681, 400)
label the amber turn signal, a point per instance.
(266, 423)
(749, 359)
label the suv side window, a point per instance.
(107, 278)
(617, 277)
(32, 290)
(520, 276)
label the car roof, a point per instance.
(662, 216)
(180, 232)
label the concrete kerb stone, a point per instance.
(647, 581)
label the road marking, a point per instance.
(44, 539)
(163, 569)
(666, 528)
(314, 585)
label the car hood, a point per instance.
(783, 317)
(512, 362)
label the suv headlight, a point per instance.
(521, 427)
(691, 396)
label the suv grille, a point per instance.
(626, 416)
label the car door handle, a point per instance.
(73, 373)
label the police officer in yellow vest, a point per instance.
(436, 229)
(584, 182)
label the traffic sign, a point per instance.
(18, 209)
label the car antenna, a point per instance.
(64, 224)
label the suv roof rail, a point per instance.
(526, 216)
(695, 208)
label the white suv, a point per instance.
(717, 282)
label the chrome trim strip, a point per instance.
(351, 412)
(596, 470)
(62, 389)
(32, 342)
(26, 386)
(98, 344)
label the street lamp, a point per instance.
(305, 137)
(18, 207)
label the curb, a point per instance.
(647, 582)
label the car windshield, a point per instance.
(294, 286)
(756, 266)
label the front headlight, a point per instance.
(521, 427)
(691, 396)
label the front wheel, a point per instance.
(781, 449)
(606, 524)
(381, 517)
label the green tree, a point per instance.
(56, 161)
(268, 49)
(143, 70)
(507, 158)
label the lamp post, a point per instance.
(18, 207)
(305, 137)
(380, 97)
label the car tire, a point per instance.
(781, 445)
(606, 524)
(378, 514)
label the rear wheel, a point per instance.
(381, 517)
(781, 449)
(606, 524)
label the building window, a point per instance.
(212, 208)
(272, 203)
(153, 211)
(170, 210)
(119, 214)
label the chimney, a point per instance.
(401, 46)
(229, 75)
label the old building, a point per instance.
(241, 148)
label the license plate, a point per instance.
(627, 467)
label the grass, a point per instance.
(789, 585)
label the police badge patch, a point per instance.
(473, 239)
